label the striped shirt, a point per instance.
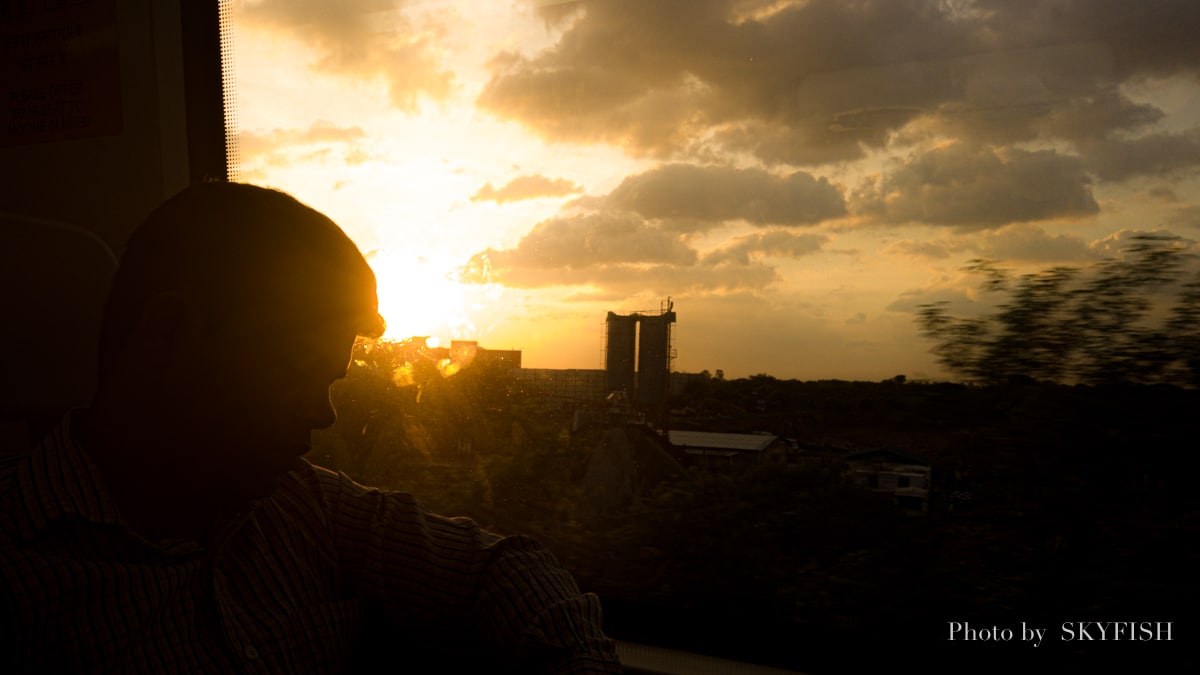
(290, 585)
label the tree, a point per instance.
(1126, 320)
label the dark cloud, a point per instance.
(1185, 217)
(775, 243)
(364, 38)
(973, 187)
(590, 103)
(1151, 37)
(587, 240)
(651, 76)
(716, 194)
(1163, 194)
(526, 187)
(821, 81)
(1152, 155)
(1097, 116)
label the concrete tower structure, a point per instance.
(620, 350)
(646, 338)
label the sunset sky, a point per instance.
(797, 176)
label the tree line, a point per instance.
(1134, 319)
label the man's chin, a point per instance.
(294, 464)
(263, 485)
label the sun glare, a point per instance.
(418, 297)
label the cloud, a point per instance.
(557, 12)
(1154, 38)
(973, 187)
(805, 83)
(350, 41)
(956, 293)
(653, 76)
(626, 280)
(1017, 244)
(588, 240)
(1163, 194)
(1117, 244)
(936, 250)
(1151, 155)
(716, 194)
(1030, 243)
(1185, 217)
(775, 243)
(526, 187)
(279, 146)
(1022, 242)
(642, 233)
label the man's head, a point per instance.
(233, 310)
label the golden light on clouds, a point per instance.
(814, 166)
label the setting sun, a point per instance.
(418, 297)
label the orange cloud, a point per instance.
(365, 39)
(279, 146)
(526, 187)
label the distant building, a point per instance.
(654, 358)
(904, 475)
(620, 348)
(719, 451)
(681, 381)
(638, 354)
(468, 352)
(573, 384)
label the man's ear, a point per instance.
(167, 331)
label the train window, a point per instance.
(650, 271)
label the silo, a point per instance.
(654, 352)
(619, 352)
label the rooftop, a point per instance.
(716, 441)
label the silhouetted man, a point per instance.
(174, 526)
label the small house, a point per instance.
(904, 475)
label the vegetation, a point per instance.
(1081, 509)
(1127, 320)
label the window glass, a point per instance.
(875, 226)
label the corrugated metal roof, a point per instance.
(708, 439)
(903, 455)
(705, 452)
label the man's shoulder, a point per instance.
(10, 469)
(316, 487)
(314, 494)
(316, 482)
(8, 492)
